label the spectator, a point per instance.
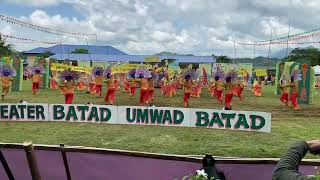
(287, 167)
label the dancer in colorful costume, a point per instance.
(83, 82)
(218, 76)
(257, 88)
(6, 73)
(152, 79)
(111, 86)
(36, 72)
(133, 82)
(68, 84)
(295, 76)
(142, 74)
(212, 88)
(284, 98)
(238, 89)
(229, 87)
(97, 73)
(54, 80)
(187, 86)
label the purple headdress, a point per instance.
(7, 71)
(97, 71)
(192, 74)
(65, 75)
(142, 72)
(219, 74)
(233, 74)
(154, 76)
(107, 72)
(37, 68)
(132, 73)
(296, 75)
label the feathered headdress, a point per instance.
(37, 68)
(132, 73)
(142, 72)
(69, 74)
(192, 74)
(296, 75)
(107, 72)
(97, 71)
(219, 74)
(233, 74)
(154, 75)
(7, 71)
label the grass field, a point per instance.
(288, 126)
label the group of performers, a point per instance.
(222, 86)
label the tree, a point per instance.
(223, 59)
(80, 51)
(45, 54)
(309, 55)
(5, 50)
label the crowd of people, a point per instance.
(222, 86)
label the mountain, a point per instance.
(280, 54)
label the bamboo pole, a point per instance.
(28, 147)
(65, 161)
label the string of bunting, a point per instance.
(27, 39)
(278, 43)
(291, 36)
(40, 28)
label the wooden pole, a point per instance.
(65, 161)
(6, 166)
(28, 147)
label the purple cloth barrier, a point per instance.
(17, 161)
(86, 166)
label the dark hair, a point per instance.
(141, 76)
(69, 78)
(292, 79)
(37, 71)
(6, 73)
(98, 73)
(187, 77)
(108, 75)
(216, 78)
(132, 75)
(228, 79)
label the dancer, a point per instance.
(152, 79)
(54, 80)
(68, 84)
(187, 87)
(295, 76)
(257, 88)
(126, 85)
(133, 82)
(196, 91)
(97, 73)
(81, 85)
(284, 98)
(212, 88)
(229, 86)
(238, 89)
(218, 76)
(111, 87)
(6, 73)
(36, 73)
(142, 73)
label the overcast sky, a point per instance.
(200, 27)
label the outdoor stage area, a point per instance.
(287, 127)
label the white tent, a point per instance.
(317, 70)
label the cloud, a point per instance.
(201, 27)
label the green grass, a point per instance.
(288, 126)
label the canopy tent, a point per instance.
(317, 70)
(131, 58)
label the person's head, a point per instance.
(69, 78)
(6, 73)
(98, 73)
(132, 75)
(37, 71)
(188, 77)
(108, 75)
(292, 79)
(228, 79)
(216, 78)
(141, 76)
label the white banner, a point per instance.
(139, 115)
